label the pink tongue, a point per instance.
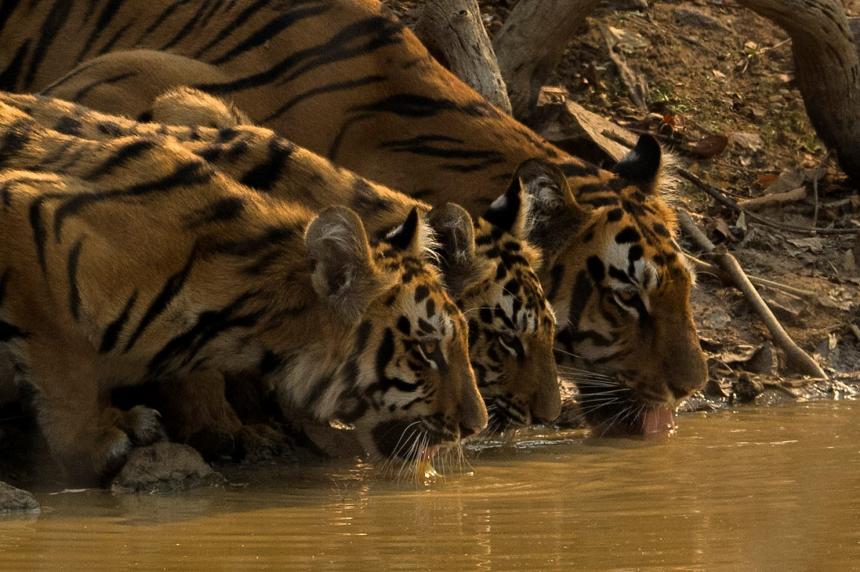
(658, 421)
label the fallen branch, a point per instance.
(453, 32)
(704, 266)
(774, 199)
(721, 198)
(635, 83)
(730, 265)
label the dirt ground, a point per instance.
(719, 76)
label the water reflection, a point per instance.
(753, 489)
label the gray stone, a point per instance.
(16, 500)
(165, 467)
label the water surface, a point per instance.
(759, 488)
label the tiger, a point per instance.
(490, 271)
(346, 80)
(152, 264)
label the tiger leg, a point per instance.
(196, 411)
(83, 436)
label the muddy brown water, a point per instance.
(759, 489)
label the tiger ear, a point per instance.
(508, 212)
(553, 214)
(413, 237)
(642, 164)
(343, 272)
(455, 232)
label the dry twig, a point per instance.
(730, 265)
(635, 83)
(757, 280)
(721, 198)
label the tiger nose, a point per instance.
(473, 413)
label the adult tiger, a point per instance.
(489, 270)
(343, 79)
(134, 271)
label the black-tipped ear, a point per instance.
(642, 163)
(554, 215)
(403, 237)
(456, 234)
(343, 273)
(508, 211)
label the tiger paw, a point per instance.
(143, 425)
(260, 442)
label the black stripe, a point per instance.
(4, 281)
(255, 245)
(112, 332)
(83, 68)
(39, 231)
(159, 21)
(222, 210)
(233, 25)
(209, 325)
(9, 332)
(317, 391)
(323, 89)
(582, 290)
(99, 82)
(264, 175)
(68, 125)
(58, 16)
(271, 29)
(118, 35)
(172, 286)
(204, 21)
(72, 275)
(105, 16)
(15, 138)
(6, 10)
(121, 157)
(9, 76)
(382, 30)
(187, 174)
(184, 30)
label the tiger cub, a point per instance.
(150, 264)
(490, 270)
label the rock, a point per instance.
(697, 19)
(16, 500)
(764, 360)
(747, 389)
(165, 467)
(749, 141)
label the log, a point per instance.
(531, 44)
(453, 32)
(827, 62)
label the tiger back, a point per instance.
(128, 271)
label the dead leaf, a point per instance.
(813, 244)
(718, 74)
(788, 180)
(709, 146)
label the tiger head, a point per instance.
(511, 324)
(404, 382)
(620, 289)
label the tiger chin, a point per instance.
(131, 272)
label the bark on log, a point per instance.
(531, 44)
(453, 32)
(828, 70)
